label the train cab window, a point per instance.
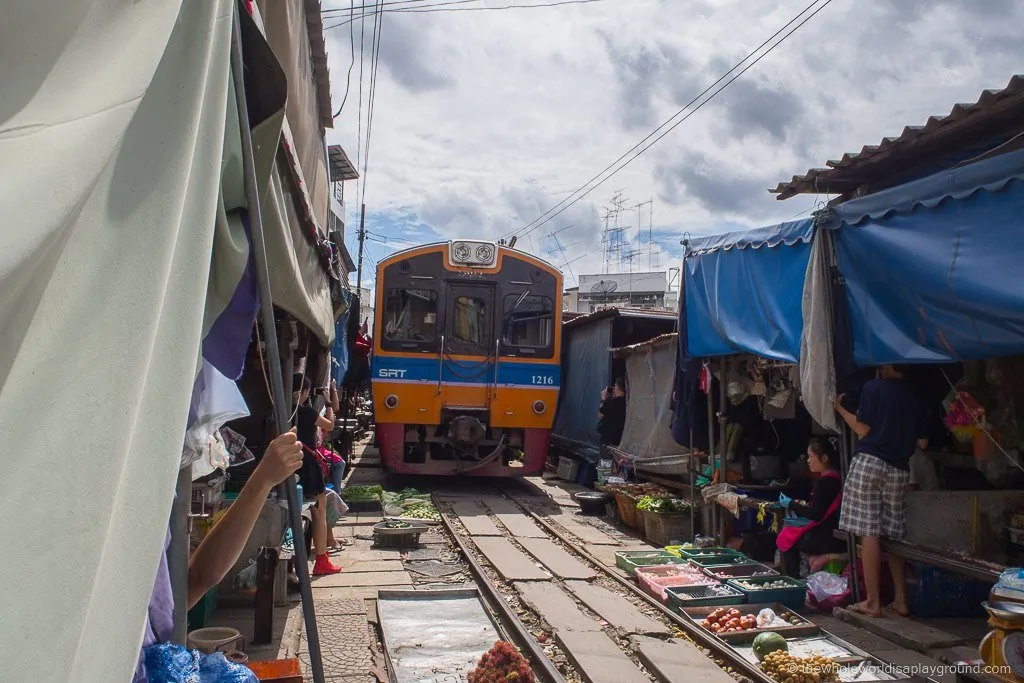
(410, 316)
(529, 321)
(470, 320)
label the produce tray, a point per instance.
(691, 553)
(802, 628)
(629, 560)
(739, 571)
(720, 560)
(697, 596)
(857, 666)
(794, 596)
(364, 506)
(656, 580)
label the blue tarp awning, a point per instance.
(744, 291)
(933, 268)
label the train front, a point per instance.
(466, 365)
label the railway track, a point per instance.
(545, 574)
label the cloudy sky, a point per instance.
(484, 120)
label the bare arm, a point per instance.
(858, 427)
(326, 421)
(222, 546)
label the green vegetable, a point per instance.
(422, 511)
(767, 643)
(361, 494)
(667, 506)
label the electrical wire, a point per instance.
(444, 7)
(670, 124)
(374, 66)
(352, 43)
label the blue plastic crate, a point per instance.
(935, 593)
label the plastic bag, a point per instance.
(216, 668)
(767, 618)
(1010, 584)
(824, 585)
(170, 663)
(216, 401)
(245, 580)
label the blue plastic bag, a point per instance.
(170, 663)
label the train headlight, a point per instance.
(539, 407)
(391, 401)
(472, 253)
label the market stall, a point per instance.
(588, 367)
(744, 323)
(923, 269)
(749, 609)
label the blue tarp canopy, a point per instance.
(933, 267)
(744, 291)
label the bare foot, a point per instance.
(866, 609)
(899, 609)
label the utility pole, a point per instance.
(359, 267)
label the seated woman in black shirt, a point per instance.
(311, 474)
(817, 537)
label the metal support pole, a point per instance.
(724, 427)
(281, 400)
(178, 551)
(712, 516)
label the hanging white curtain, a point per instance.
(112, 122)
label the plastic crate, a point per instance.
(739, 571)
(720, 560)
(691, 553)
(697, 596)
(568, 468)
(656, 580)
(629, 560)
(934, 593)
(793, 596)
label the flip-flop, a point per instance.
(856, 607)
(891, 607)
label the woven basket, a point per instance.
(662, 529)
(627, 510)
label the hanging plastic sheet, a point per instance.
(339, 354)
(649, 375)
(216, 401)
(586, 371)
(743, 291)
(929, 266)
(817, 357)
(107, 212)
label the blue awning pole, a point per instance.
(846, 444)
(282, 401)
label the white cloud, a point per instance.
(484, 120)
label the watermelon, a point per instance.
(766, 643)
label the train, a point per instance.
(465, 371)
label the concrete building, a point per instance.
(648, 290)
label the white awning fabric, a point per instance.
(112, 125)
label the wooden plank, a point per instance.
(560, 562)
(615, 609)
(475, 519)
(508, 561)
(556, 607)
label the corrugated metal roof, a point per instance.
(341, 167)
(847, 174)
(660, 340)
(620, 313)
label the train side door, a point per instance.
(469, 337)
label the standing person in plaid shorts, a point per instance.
(890, 426)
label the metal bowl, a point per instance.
(1007, 611)
(592, 502)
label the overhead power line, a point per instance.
(352, 43)
(446, 7)
(672, 123)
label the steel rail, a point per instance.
(522, 637)
(696, 633)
